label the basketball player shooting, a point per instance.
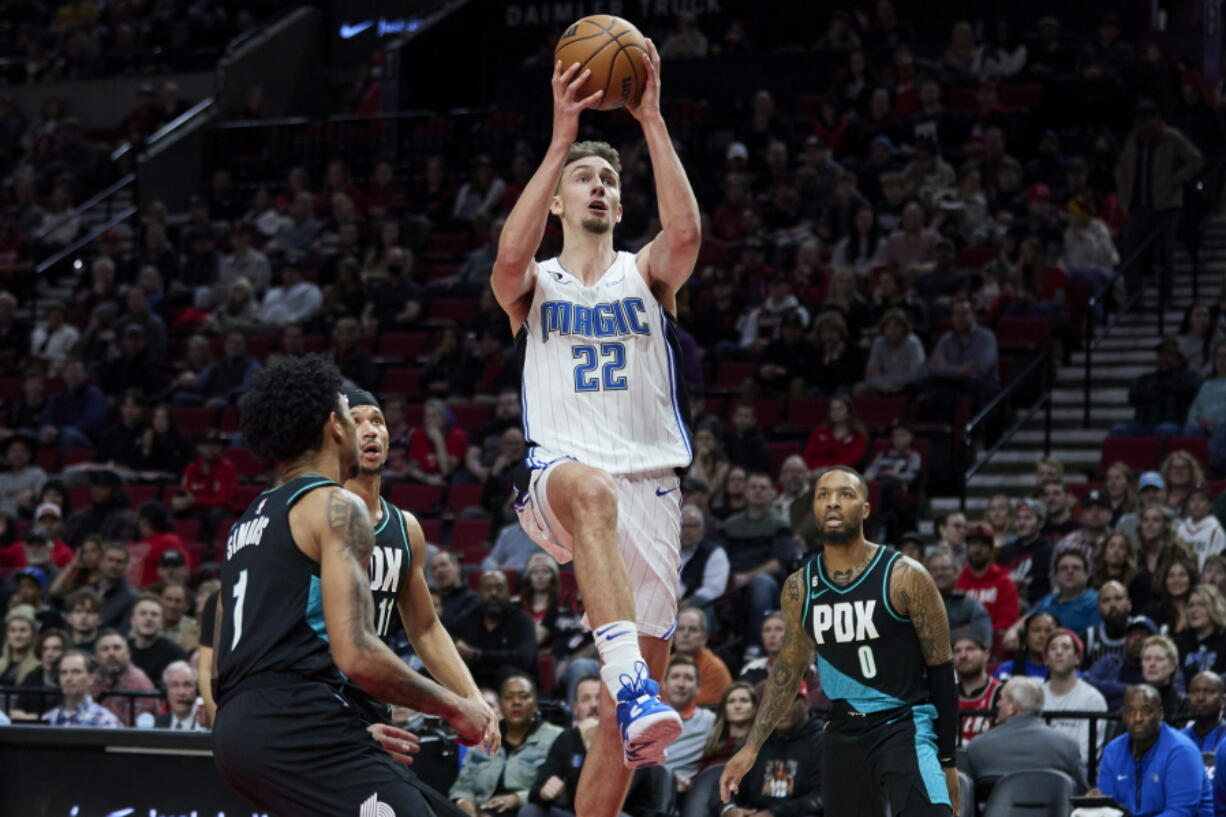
(879, 628)
(604, 412)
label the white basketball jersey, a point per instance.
(601, 373)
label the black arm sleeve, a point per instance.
(943, 692)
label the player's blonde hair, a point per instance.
(582, 150)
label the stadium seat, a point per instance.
(806, 412)
(460, 497)
(400, 381)
(780, 452)
(10, 388)
(546, 664)
(76, 456)
(249, 466)
(1032, 333)
(452, 310)
(79, 497)
(431, 529)
(1138, 453)
(245, 495)
(403, 347)
(769, 411)
(469, 533)
(416, 499)
(144, 492)
(187, 529)
(192, 420)
(471, 416)
(1034, 793)
(1021, 95)
(448, 245)
(1198, 447)
(49, 460)
(570, 586)
(1080, 489)
(229, 420)
(977, 257)
(733, 374)
(879, 413)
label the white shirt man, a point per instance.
(1063, 690)
(179, 681)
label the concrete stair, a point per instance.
(1126, 353)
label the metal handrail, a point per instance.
(86, 205)
(1043, 361)
(166, 130)
(85, 240)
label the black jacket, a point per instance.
(508, 647)
(565, 761)
(790, 766)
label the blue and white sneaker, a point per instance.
(648, 725)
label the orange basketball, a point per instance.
(613, 49)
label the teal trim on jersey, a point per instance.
(315, 609)
(926, 754)
(804, 614)
(821, 570)
(386, 515)
(885, 587)
(840, 687)
(289, 503)
(404, 537)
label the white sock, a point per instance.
(618, 645)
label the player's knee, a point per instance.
(595, 493)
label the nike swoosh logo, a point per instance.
(664, 493)
(602, 631)
(348, 32)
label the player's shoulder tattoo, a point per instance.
(915, 594)
(348, 519)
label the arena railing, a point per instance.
(1041, 367)
(11, 694)
(1208, 188)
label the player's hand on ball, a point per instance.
(401, 745)
(734, 770)
(472, 721)
(566, 108)
(649, 102)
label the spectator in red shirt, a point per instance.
(210, 485)
(156, 535)
(843, 440)
(987, 582)
(977, 690)
(437, 446)
(38, 550)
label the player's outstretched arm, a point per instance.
(430, 639)
(914, 594)
(668, 260)
(341, 527)
(515, 265)
(789, 670)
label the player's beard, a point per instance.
(370, 472)
(600, 226)
(840, 537)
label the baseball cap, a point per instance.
(1095, 497)
(737, 150)
(1036, 507)
(36, 573)
(48, 508)
(981, 530)
(968, 634)
(171, 558)
(1151, 479)
(1142, 621)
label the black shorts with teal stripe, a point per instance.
(883, 763)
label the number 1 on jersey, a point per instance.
(240, 590)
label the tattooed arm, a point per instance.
(785, 677)
(914, 595)
(338, 523)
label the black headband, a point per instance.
(361, 397)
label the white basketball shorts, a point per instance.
(648, 534)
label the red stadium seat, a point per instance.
(469, 533)
(146, 492)
(245, 495)
(10, 388)
(807, 412)
(449, 245)
(261, 346)
(400, 381)
(403, 347)
(546, 665)
(1139, 453)
(1021, 95)
(49, 461)
(431, 529)
(314, 343)
(878, 413)
(780, 452)
(229, 420)
(976, 257)
(248, 465)
(192, 420)
(1080, 489)
(472, 416)
(733, 374)
(1029, 332)
(79, 497)
(460, 497)
(416, 499)
(452, 310)
(76, 456)
(1198, 447)
(188, 529)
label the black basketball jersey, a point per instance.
(271, 592)
(867, 654)
(389, 567)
